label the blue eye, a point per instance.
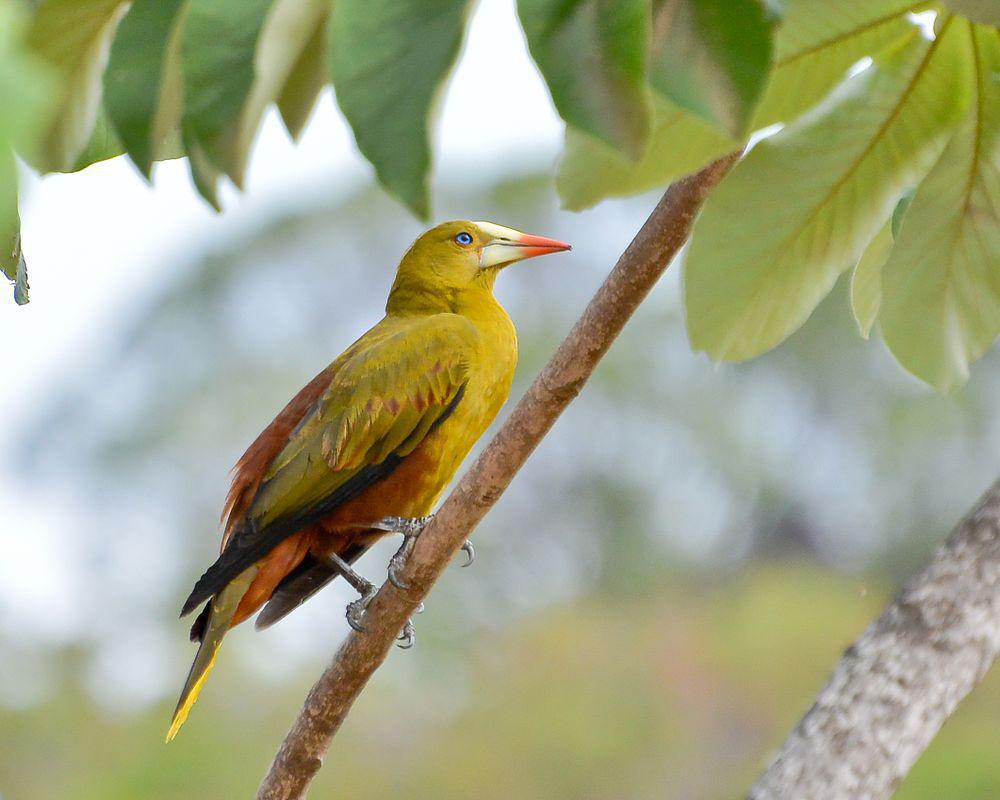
(464, 238)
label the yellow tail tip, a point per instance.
(175, 726)
(188, 698)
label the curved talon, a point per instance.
(470, 551)
(407, 637)
(356, 610)
(394, 579)
(420, 609)
(354, 617)
(398, 562)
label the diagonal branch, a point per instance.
(635, 274)
(905, 675)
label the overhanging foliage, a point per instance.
(650, 90)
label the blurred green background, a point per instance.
(655, 600)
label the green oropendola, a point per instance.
(379, 433)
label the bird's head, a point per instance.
(462, 256)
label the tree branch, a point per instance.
(635, 274)
(898, 683)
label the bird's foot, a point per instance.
(407, 637)
(411, 528)
(363, 586)
(356, 610)
(470, 553)
(398, 561)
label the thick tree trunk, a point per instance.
(899, 682)
(635, 274)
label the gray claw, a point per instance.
(407, 637)
(356, 610)
(395, 565)
(398, 562)
(470, 552)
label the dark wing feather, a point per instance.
(302, 583)
(251, 544)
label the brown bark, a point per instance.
(898, 683)
(635, 274)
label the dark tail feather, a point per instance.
(201, 623)
(302, 583)
(250, 545)
(219, 615)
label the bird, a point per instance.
(367, 447)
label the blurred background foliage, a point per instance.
(654, 603)
(668, 581)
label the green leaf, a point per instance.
(73, 38)
(985, 11)
(238, 56)
(134, 80)
(204, 173)
(866, 282)
(15, 267)
(25, 85)
(942, 281)
(680, 143)
(288, 29)
(309, 74)
(801, 207)
(711, 57)
(899, 211)
(103, 144)
(12, 262)
(166, 133)
(10, 223)
(593, 55)
(218, 46)
(816, 44)
(389, 59)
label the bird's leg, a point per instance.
(410, 527)
(356, 610)
(364, 587)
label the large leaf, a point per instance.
(942, 281)
(102, 145)
(389, 60)
(12, 258)
(818, 41)
(984, 11)
(801, 207)
(680, 143)
(134, 86)
(25, 86)
(866, 281)
(204, 173)
(218, 46)
(290, 26)
(309, 74)
(73, 37)
(593, 56)
(711, 57)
